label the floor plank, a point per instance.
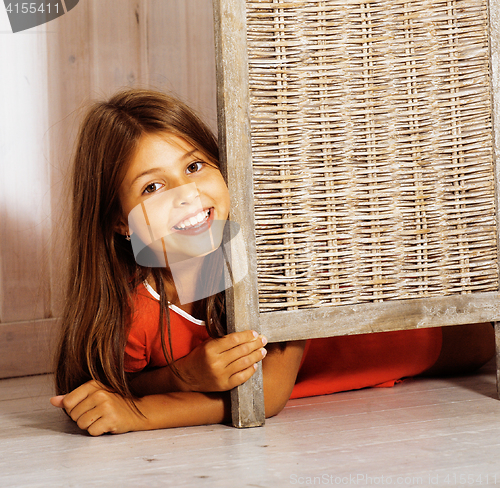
(423, 432)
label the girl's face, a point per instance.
(187, 196)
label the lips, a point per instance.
(195, 224)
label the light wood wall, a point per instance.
(49, 76)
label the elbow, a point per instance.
(274, 404)
(280, 369)
(273, 410)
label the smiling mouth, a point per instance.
(196, 222)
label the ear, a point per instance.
(122, 227)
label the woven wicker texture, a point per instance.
(372, 150)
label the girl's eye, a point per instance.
(152, 187)
(194, 167)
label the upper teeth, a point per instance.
(192, 221)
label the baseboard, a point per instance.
(27, 348)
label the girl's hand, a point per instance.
(222, 364)
(98, 410)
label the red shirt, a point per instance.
(144, 342)
(346, 363)
(329, 365)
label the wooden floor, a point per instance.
(423, 432)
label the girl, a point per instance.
(131, 355)
(136, 145)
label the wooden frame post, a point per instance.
(247, 401)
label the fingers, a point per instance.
(98, 427)
(242, 361)
(215, 363)
(245, 363)
(93, 413)
(87, 420)
(84, 414)
(94, 419)
(81, 403)
(241, 376)
(240, 355)
(57, 401)
(254, 352)
(236, 339)
(71, 400)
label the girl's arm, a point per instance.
(279, 368)
(98, 410)
(216, 365)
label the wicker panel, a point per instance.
(372, 150)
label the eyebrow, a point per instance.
(155, 170)
(144, 173)
(189, 154)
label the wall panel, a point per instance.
(181, 53)
(51, 73)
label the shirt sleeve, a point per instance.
(136, 351)
(144, 325)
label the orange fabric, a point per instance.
(144, 342)
(329, 365)
(351, 362)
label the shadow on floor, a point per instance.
(483, 381)
(54, 421)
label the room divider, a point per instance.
(359, 141)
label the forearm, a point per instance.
(185, 408)
(182, 409)
(156, 381)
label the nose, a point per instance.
(184, 195)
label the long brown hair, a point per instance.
(103, 271)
